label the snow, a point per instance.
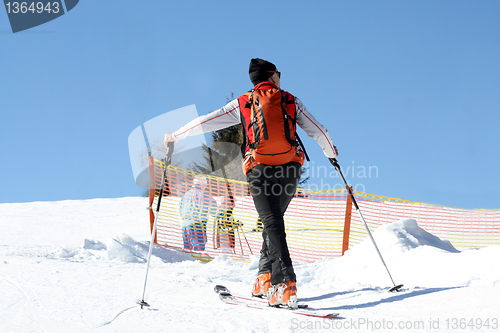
(79, 266)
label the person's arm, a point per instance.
(226, 116)
(315, 130)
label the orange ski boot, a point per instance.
(262, 285)
(284, 293)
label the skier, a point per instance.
(272, 164)
(195, 208)
(226, 225)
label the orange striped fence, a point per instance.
(319, 223)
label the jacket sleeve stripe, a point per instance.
(314, 129)
(216, 120)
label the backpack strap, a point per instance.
(262, 118)
(302, 147)
(284, 101)
(292, 101)
(245, 136)
(248, 104)
(254, 122)
(244, 126)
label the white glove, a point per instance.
(169, 137)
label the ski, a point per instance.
(261, 304)
(220, 289)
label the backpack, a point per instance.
(268, 121)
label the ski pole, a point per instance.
(334, 162)
(168, 159)
(246, 240)
(239, 237)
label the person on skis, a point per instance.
(272, 164)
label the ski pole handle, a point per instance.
(334, 162)
(168, 154)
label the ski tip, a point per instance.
(396, 288)
(332, 315)
(142, 303)
(299, 306)
(220, 288)
(225, 296)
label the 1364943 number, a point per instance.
(32, 7)
(472, 323)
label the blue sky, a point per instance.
(408, 88)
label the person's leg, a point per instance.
(264, 262)
(272, 189)
(200, 235)
(186, 239)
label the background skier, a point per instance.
(195, 208)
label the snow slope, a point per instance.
(79, 266)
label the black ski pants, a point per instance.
(272, 188)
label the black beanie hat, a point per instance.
(260, 70)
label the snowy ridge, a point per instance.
(120, 248)
(407, 235)
(82, 272)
